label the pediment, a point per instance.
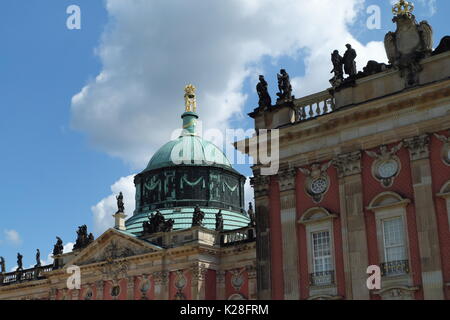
(110, 246)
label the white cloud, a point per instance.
(248, 193)
(152, 49)
(104, 209)
(12, 237)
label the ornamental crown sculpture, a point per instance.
(403, 8)
(189, 98)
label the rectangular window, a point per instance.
(395, 253)
(394, 240)
(321, 251)
(323, 273)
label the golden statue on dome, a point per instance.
(403, 8)
(190, 99)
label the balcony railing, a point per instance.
(24, 275)
(394, 268)
(314, 106)
(228, 238)
(322, 278)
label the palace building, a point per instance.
(364, 177)
(188, 239)
(363, 184)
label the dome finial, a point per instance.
(190, 99)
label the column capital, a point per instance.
(348, 164)
(260, 184)
(199, 272)
(418, 147)
(286, 179)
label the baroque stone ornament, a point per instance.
(19, 262)
(418, 147)
(265, 101)
(349, 61)
(387, 165)
(237, 279)
(120, 204)
(115, 267)
(38, 258)
(58, 248)
(197, 218)
(317, 181)
(83, 239)
(445, 148)
(338, 69)
(180, 283)
(157, 223)
(348, 164)
(219, 221)
(284, 87)
(409, 44)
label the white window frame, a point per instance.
(324, 257)
(403, 244)
(311, 229)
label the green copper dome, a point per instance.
(185, 173)
(188, 150)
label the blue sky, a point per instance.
(55, 164)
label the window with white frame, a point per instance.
(321, 258)
(321, 251)
(395, 254)
(319, 236)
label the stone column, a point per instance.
(130, 288)
(198, 281)
(430, 256)
(261, 187)
(252, 282)
(289, 234)
(220, 285)
(354, 239)
(100, 286)
(161, 280)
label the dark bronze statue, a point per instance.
(219, 221)
(83, 239)
(38, 258)
(58, 248)
(197, 218)
(19, 262)
(2, 265)
(284, 86)
(265, 101)
(251, 214)
(157, 223)
(349, 61)
(120, 203)
(338, 65)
